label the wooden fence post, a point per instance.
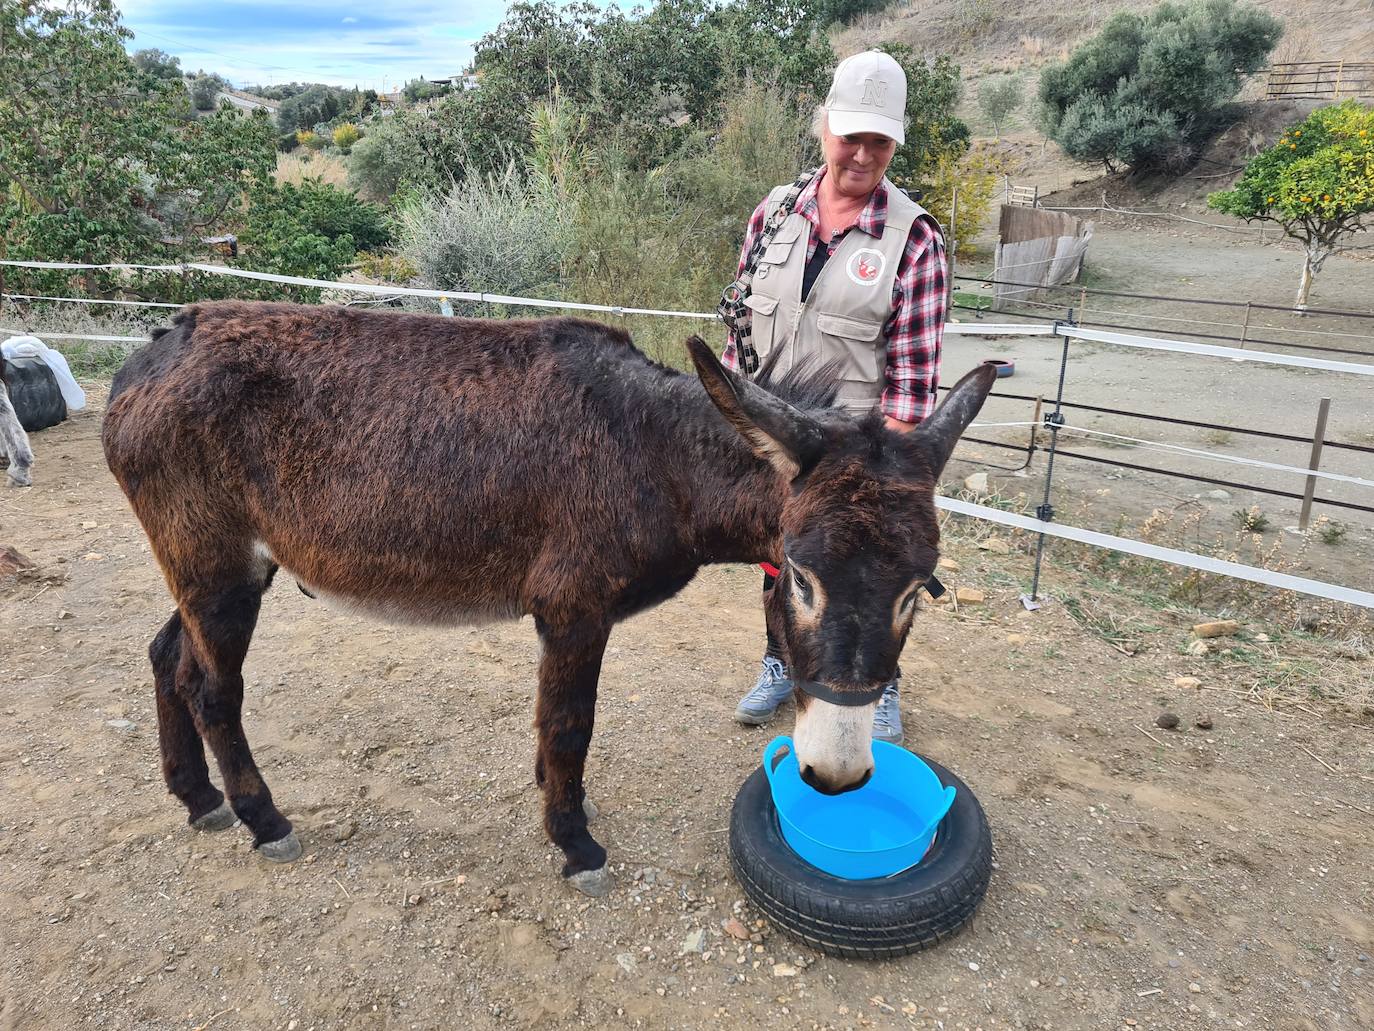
(1318, 438)
(1245, 326)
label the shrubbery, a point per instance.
(1142, 91)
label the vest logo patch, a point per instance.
(865, 267)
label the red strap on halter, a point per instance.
(769, 569)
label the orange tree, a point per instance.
(1316, 183)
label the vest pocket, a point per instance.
(856, 342)
(763, 322)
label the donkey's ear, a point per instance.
(777, 432)
(942, 430)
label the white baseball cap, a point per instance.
(868, 94)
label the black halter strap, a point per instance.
(820, 691)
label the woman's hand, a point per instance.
(897, 426)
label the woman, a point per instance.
(855, 273)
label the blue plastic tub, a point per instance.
(877, 830)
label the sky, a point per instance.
(378, 45)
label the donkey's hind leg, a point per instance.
(183, 754)
(218, 619)
(564, 714)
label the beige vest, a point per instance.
(849, 304)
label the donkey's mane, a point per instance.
(808, 385)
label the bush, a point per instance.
(309, 229)
(998, 97)
(1146, 88)
(491, 233)
(345, 136)
(975, 175)
(309, 139)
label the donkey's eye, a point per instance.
(802, 585)
(909, 601)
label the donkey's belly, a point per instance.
(402, 603)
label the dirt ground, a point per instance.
(1199, 878)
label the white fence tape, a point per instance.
(1188, 559)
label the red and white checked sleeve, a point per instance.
(729, 359)
(915, 331)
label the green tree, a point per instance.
(312, 106)
(1316, 183)
(932, 91)
(417, 90)
(998, 97)
(1145, 89)
(96, 164)
(205, 90)
(157, 63)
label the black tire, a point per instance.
(873, 919)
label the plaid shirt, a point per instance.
(915, 330)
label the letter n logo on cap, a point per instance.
(875, 93)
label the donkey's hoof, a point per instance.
(590, 810)
(220, 819)
(592, 882)
(19, 477)
(283, 850)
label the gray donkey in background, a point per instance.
(14, 442)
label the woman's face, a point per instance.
(856, 164)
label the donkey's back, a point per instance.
(421, 468)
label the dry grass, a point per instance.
(302, 164)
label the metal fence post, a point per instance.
(1053, 422)
(1318, 438)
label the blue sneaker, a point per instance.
(887, 718)
(772, 688)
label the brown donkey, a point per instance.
(450, 471)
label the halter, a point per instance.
(850, 697)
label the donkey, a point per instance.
(501, 468)
(14, 442)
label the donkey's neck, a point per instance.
(734, 498)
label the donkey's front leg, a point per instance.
(564, 713)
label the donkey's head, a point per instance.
(859, 537)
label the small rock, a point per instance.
(1363, 957)
(1016, 638)
(977, 484)
(1217, 495)
(1203, 723)
(784, 970)
(64, 614)
(88, 524)
(1199, 648)
(1262, 638)
(995, 545)
(694, 942)
(1167, 720)
(1061, 982)
(1174, 964)
(969, 596)
(627, 963)
(1187, 683)
(973, 967)
(346, 830)
(949, 565)
(1194, 987)
(1217, 628)
(735, 929)
(93, 556)
(123, 726)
